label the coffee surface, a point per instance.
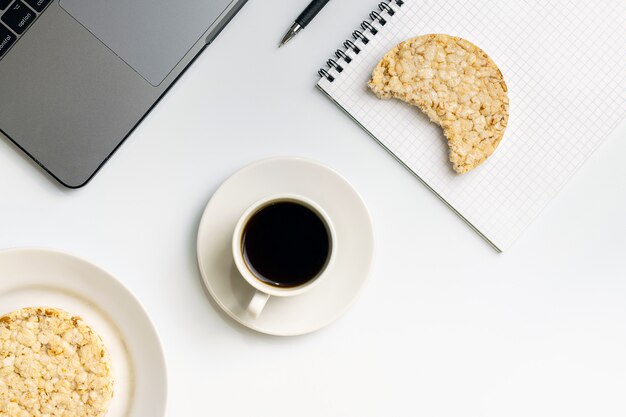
(286, 244)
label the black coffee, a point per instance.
(286, 244)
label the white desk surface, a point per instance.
(446, 326)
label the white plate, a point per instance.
(287, 316)
(39, 277)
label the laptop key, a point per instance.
(6, 40)
(38, 5)
(18, 17)
(4, 4)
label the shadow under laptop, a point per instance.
(23, 155)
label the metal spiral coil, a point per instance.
(367, 27)
(376, 16)
(342, 55)
(332, 63)
(357, 34)
(351, 45)
(325, 74)
(385, 7)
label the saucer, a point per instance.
(304, 313)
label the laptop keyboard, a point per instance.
(16, 17)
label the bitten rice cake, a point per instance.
(52, 364)
(457, 85)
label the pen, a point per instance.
(304, 19)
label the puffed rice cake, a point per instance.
(52, 364)
(457, 85)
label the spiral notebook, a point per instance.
(564, 63)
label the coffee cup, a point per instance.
(283, 246)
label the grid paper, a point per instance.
(564, 64)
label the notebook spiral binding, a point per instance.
(368, 30)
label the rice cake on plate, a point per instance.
(52, 364)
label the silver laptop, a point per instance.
(77, 76)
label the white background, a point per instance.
(446, 327)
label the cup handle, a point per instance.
(257, 303)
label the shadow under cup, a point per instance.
(286, 243)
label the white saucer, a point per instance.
(39, 277)
(287, 316)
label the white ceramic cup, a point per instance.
(263, 290)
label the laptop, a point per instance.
(77, 76)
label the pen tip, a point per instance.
(293, 30)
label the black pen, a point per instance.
(304, 19)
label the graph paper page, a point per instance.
(564, 63)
